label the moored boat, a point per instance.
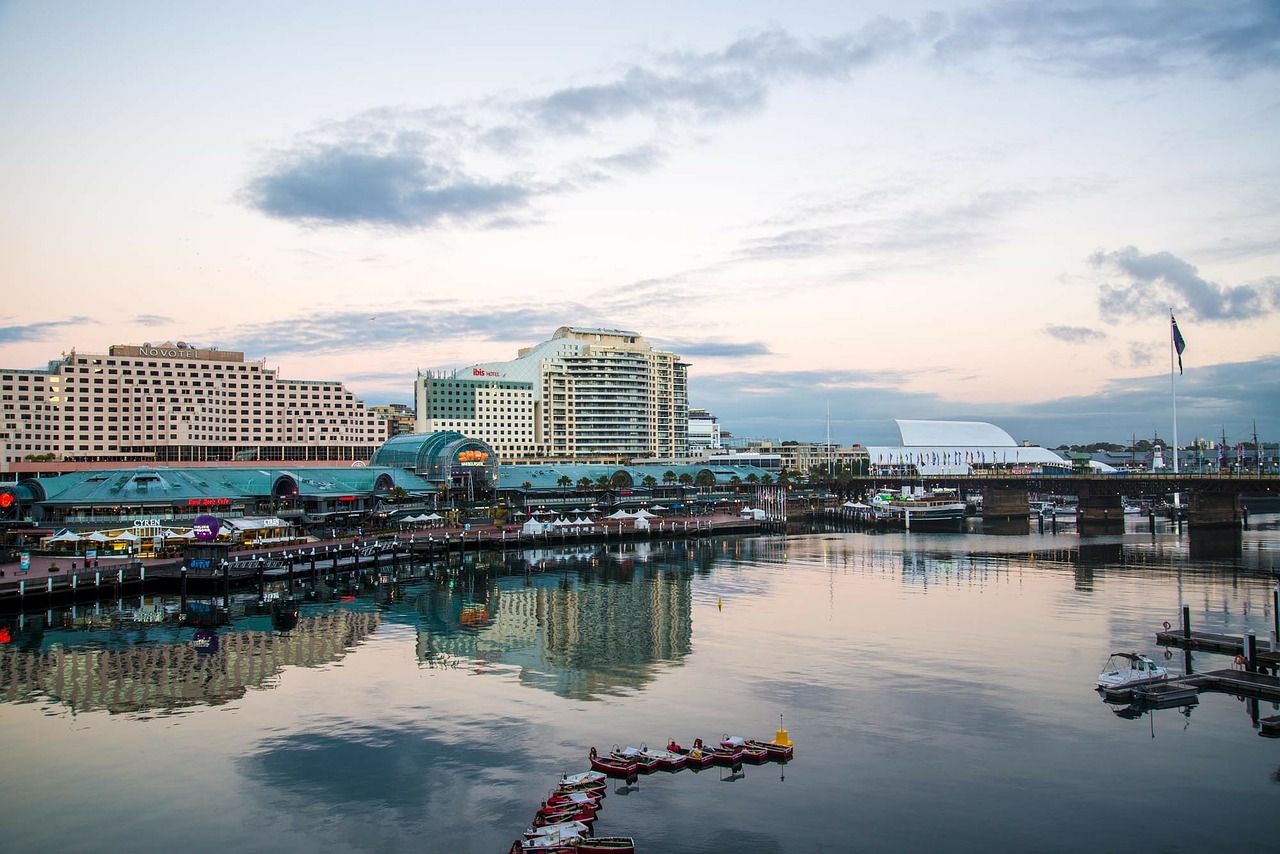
(1127, 668)
(749, 752)
(612, 765)
(605, 845)
(668, 760)
(562, 800)
(940, 509)
(695, 757)
(574, 809)
(569, 814)
(773, 748)
(586, 780)
(639, 755)
(564, 828)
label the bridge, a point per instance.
(1208, 500)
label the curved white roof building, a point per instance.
(960, 447)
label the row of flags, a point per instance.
(941, 457)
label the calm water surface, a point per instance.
(938, 689)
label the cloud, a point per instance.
(1104, 38)
(1150, 284)
(486, 163)
(718, 349)
(350, 330)
(863, 405)
(1074, 334)
(37, 331)
(354, 182)
(152, 320)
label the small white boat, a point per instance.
(1126, 668)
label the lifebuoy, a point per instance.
(1168, 654)
(1239, 659)
(1167, 625)
(593, 753)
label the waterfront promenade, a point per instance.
(50, 575)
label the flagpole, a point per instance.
(1173, 386)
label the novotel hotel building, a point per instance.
(177, 403)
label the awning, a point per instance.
(258, 524)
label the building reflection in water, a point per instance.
(578, 621)
(211, 669)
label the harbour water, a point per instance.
(938, 688)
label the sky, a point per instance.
(837, 213)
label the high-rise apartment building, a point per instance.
(177, 403)
(594, 394)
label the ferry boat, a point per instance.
(938, 510)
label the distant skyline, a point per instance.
(977, 211)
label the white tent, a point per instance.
(619, 514)
(432, 517)
(127, 536)
(657, 507)
(65, 537)
(97, 537)
(645, 514)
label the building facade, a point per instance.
(502, 413)
(595, 394)
(399, 418)
(704, 433)
(177, 403)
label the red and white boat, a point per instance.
(668, 760)
(612, 765)
(605, 845)
(694, 757)
(748, 752)
(565, 828)
(545, 817)
(579, 810)
(544, 845)
(561, 800)
(775, 750)
(639, 755)
(585, 780)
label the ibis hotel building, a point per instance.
(585, 395)
(177, 403)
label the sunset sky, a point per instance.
(906, 209)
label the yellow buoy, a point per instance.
(720, 604)
(781, 736)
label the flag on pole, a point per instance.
(1178, 344)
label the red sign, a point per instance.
(207, 502)
(6, 500)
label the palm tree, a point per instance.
(584, 483)
(651, 481)
(753, 478)
(686, 478)
(603, 481)
(564, 482)
(735, 482)
(669, 477)
(526, 486)
(767, 479)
